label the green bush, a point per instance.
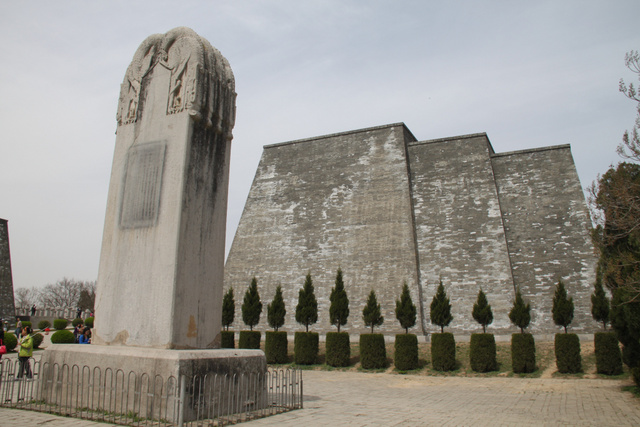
(373, 352)
(227, 339)
(62, 337)
(338, 349)
(482, 353)
(443, 351)
(567, 347)
(44, 324)
(37, 340)
(305, 348)
(608, 357)
(249, 339)
(88, 322)
(523, 353)
(275, 347)
(26, 323)
(75, 322)
(10, 341)
(60, 324)
(406, 352)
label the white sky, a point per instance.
(529, 73)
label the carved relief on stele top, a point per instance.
(201, 81)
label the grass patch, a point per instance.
(545, 362)
(633, 389)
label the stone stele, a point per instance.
(160, 281)
(161, 265)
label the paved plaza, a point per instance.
(377, 399)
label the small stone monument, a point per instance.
(160, 281)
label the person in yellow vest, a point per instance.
(25, 353)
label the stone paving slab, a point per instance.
(370, 399)
(367, 399)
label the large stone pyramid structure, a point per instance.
(387, 208)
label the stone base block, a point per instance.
(152, 383)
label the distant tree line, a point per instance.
(65, 293)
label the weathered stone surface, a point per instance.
(323, 203)
(76, 377)
(459, 229)
(546, 223)
(387, 208)
(7, 307)
(161, 266)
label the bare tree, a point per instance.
(64, 293)
(630, 147)
(25, 297)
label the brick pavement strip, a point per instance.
(371, 399)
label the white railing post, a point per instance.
(181, 402)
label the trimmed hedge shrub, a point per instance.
(275, 347)
(249, 339)
(608, 356)
(88, 322)
(338, 349)
(405, 357)
(10, 341)
(523, 353)
(373, 352)
(567, 348)
(305, 348)
(37, 340)
(60, 324)
(75, 322)
(635, 373)
(26, 323)
(62, 337)
(482, 353)
(443, 351)
(44, 324)
(227, 339)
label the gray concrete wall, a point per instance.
(323, 203)
(459, 229)
(547, 227)
(7, 307)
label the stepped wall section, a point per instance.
(459, 228)
(547, 227)
(322, 203)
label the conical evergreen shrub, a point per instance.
(440, 313)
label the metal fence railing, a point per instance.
(137, 399)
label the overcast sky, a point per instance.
(528, 73)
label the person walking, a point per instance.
(33, 310)
(25, 353)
